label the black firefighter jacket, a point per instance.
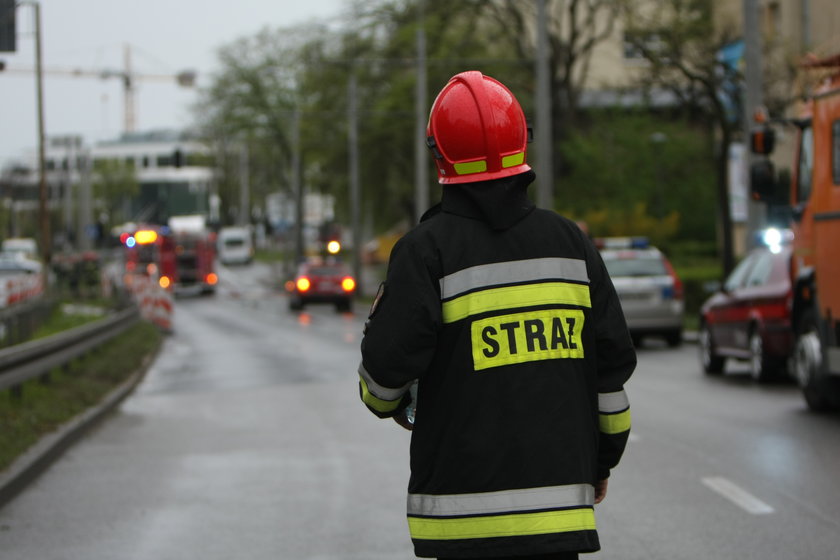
(508, 319)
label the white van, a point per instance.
(25, 247)
(234, 245)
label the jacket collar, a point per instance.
(501, 203)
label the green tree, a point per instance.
(575, 28)
(681, 42)
(380, 50)
(114, 183)
(623, 159)
(251, 105)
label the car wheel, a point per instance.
(343, 306)
(295, 304)
(673, 338)
(711, 362)
(808, 364)
(762, 367)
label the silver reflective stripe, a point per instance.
(548, 497)
(613, 402)
(378, 391)
(529, 270)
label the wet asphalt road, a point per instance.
(247, 440)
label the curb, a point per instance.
(34, 461)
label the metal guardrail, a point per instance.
(35, 358)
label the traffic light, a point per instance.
(762, 140)
(762, 180)
(8, 41)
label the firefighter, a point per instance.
(505, 317)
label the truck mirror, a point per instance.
(762, 180)
(762, 140)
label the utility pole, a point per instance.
(297, 187)
(753, 99)
(69, 143)
(244, 186)
(353, 165)
(43, 209)
(129, 113)
(421, 163)
(544, 167)
(86, 220)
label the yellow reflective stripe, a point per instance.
(470, 167)
(614, 423)
(374, 402)
(527, 337)
(511, 297)
(513, 525)
(513, 159)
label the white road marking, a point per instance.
(633, 437)
(737, 495)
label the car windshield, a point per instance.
(637, 266)
(326, 271)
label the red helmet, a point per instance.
(477, 130)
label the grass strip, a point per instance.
(43, 407)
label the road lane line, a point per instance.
(737, 495)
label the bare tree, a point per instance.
(575, 28)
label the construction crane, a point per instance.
(185, 78)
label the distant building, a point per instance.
(173, 175)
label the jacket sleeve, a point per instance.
(616, 362)
(400, 335)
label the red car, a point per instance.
(322, 281)
(749, 318)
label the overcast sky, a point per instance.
(165, 38)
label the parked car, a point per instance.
(650, 291)
(234, 245)
(322, 281)
(25, 247)
(749, 317)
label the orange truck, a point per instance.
(815, 211)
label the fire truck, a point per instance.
(814, 200)
(180, 255)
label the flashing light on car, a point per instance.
(348, 284)
(333, 247)
(638, 242)
(774, 238)
(145, 236)
(164, 282)
(211, 279)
